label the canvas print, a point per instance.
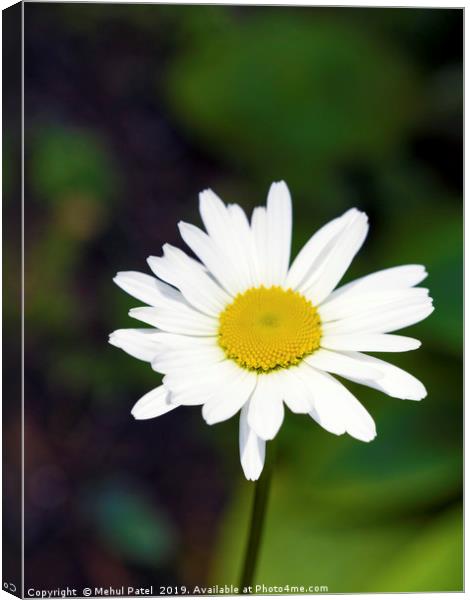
(232, 257)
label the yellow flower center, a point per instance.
(265, 329)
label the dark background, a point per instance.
(130, 112)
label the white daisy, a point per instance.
(241, 330)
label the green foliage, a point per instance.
(433, 237)
(284, 97)
(432, 560)
(71, 162)
(131, 525)
(317, 536)
(74, 179)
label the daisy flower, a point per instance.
(243, 330)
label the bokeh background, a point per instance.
(130, 112)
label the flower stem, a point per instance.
(258, 515)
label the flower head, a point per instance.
(241, 330)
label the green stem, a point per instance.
(258, 516)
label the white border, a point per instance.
(345, 3)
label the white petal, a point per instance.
(333, 402)
(252, 448)
(259, 230)
(167, 342)
(227, 400)
(355, 303)
(271, 229)
(182, 319)
(359, 424)
(382, 320)
(401, 277)
(208, 379)
(153, 404)
(394, 381)
(209, 253)
(370, 342)
(214, 216)
(192, 396)
(139, 343)
(279, 232)
(293, 390)
(228, 228)
(246, 252)
(182, 361)
(197, 385)
(148, 344)
(199, 289)
(145, 287)
(266, 409)
(335, 362)
(211, 385)
(338, 260)
(324, 411)
(310, 256)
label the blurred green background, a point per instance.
(130, 112)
